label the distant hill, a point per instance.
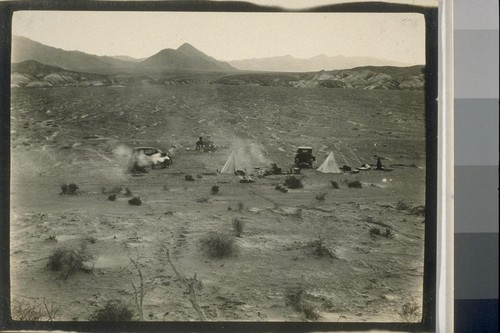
(26, 49)
(321, 62)
(368, 77)
(186, 57)
(127, 58)
(34, 74)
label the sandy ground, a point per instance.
(67, 135)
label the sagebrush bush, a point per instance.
(215, 189)
(112, 197)
(189, 178)
(68, 261)
(401, 205)
(218, 245)
(320, 249)
(354, 184)
(69, 188)
(410, 311)
(114, 310)
(135, 201)
(26, 311)
(375, 231)
(293, 182)
(335, 185)
(321, 196)
(238, 227)
(295, 298)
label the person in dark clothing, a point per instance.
(379, 164)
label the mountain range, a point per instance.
(184, 58)
(321, 62)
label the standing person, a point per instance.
(379, 164)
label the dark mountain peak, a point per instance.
(191, 51)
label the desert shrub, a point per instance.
(410, 311)
(284, 189)
(401, 205)
(135, 201)
(199, 176)
(27, 310)
(69, 188)
(374, 231)
(297, 213)
(68, 261)
(218, 245)
(418, 210)
(202, 200)
(215, 189)
(321, 196)
(189, 178)
(114, 310)
(335, 185)
(240, 206)
(354, 184)
(112, 197)
(128, 193)
(238, 227)
(320, 249)
(293, 182)
(278, 187)
(294, 297)
(388, 233)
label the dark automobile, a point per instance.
(304, 157)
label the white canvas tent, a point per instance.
(232, 165)
(329, 165)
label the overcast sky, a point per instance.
(230, 36)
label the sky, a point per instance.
(230, 36)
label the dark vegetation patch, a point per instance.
(218, 245)
(114, 310)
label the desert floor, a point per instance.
(71, 135)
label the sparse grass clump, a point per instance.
(354, 184)
(69, 188)
(135, 201)
(34, 310)
(69, 261)
(321, 196)
(189, 178)
(114, 310)
(410, 311)
(218, 245)
(320, 249)
(294, 297)
(401, 205)
(215, 189)
(335, 185)
(238, 227)
(374, 231)
(293, 182)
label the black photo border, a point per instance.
(428, 323)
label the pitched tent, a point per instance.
(329, 165)
(232, 165)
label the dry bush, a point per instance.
(218, 245)
(410, 311)
(354, 184)
(68, 261)
(135, 201)
(34, 310)
(335, 185)
(388, 233)
(321, 196)
(374, 231)
(202, 200)
(215, 189)
(112, 197)
(114, 310)
(294, 297)
(69, 188)
(320, 249)
(277, 187)
(401, 205)
(238, 227)
(189, 178)
(293, 182)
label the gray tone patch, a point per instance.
(476, 199)
(475, 15)
(476, 132)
